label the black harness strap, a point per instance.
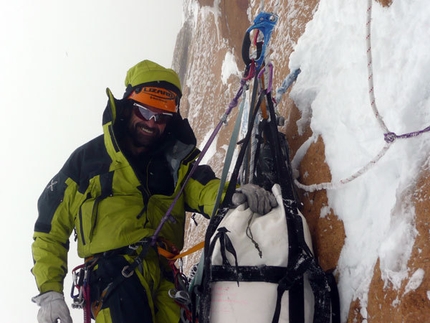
(281, 156)
(264, 274)
(243, 150)
(128, 301)
(126, 272)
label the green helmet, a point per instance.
(147, 72)
(147, 81)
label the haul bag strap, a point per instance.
(286, 279)
(266, 274)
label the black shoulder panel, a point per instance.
(203, 174)
(87, 161)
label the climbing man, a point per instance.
(113, 192)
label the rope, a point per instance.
(336, 185)
(263, 26)
(276, 6)
(230, 150)
(389, 137)
(261, 6)
(370, 68)
(222, 121)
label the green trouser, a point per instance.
(141, 298)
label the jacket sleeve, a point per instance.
(201, 191)
(51, 233)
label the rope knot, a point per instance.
(390, 136)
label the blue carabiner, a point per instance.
(264, 22)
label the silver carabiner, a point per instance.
(180, 296)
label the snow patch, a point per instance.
(415, 281)
(229, 67)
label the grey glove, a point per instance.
(259, 200)
(52, 307)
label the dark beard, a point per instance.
(140, 140)
(125, 132)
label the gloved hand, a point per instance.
(259, 200)
(52, 307)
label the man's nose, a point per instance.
(151, 122)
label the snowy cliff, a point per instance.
(354, 121)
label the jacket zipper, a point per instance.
(81, 225)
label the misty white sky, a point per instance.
(56, 60)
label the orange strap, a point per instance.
(170, 256)
(263, 106)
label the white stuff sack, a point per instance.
(255, 302)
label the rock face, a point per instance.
(213, 32)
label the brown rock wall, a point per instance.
(397, 305)
(384, 303)
(327, 232)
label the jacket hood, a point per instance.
(178, 128)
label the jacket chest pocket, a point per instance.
(100, 188)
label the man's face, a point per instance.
(142, 132)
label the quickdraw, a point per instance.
(80, 292)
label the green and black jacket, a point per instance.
(100, 195)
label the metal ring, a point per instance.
(125, 274)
